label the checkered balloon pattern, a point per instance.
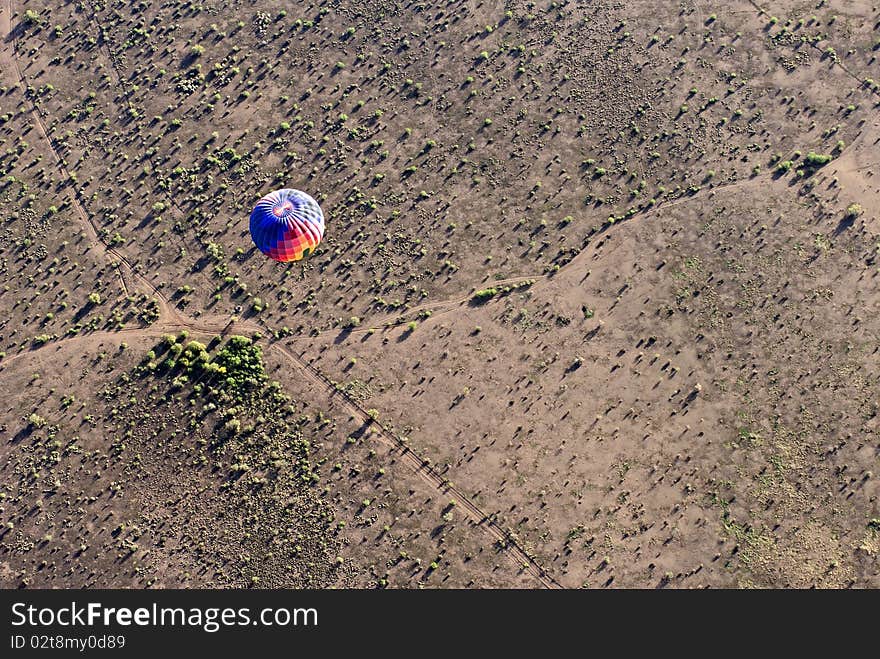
(287, 225)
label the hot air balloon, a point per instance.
(287, 225)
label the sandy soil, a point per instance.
(586, 315)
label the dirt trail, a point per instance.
(442, 307)
(438, 308)
(7, 57)
(10, 63)
(128, 278)
(504, 539)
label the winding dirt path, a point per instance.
(128, 278)
(442, 307)
(10, 63)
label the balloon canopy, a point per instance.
(287, 225)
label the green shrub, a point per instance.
(784, 166)
(853, 211)
(484, 295)
(816, 160)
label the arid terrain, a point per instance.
(595, 306)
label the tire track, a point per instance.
(125, 271)
(13, 65)
(442, 307)
(505, 540)
(438, 308)
(839, 62)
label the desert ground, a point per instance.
(595, 306)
